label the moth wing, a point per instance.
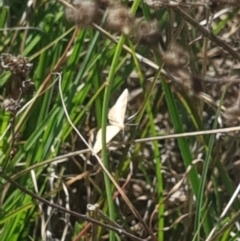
(116, 114)
(111, 132)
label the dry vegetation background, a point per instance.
(172, 172)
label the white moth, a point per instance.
(116, 116)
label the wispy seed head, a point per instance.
(83, 14)
(175, 56)
(185, 82)
(147, 33)
(119, 19)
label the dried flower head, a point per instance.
(17, 65)
(119, 19)
(183, 81)
(147, 33)
(11, 105)
(27, 87)
(175, 56)
(83, 14)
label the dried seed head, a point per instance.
(175, 56)
(119, 19)
(83, 14)
(27, 87)
(183, 81)
(17, 65)
(147, 33)
(11, 105)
